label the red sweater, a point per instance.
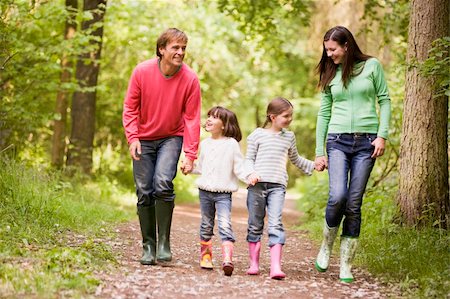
(157, 107)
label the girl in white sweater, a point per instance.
(220, 165)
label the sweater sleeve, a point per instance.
(199, 163)
(131, 108)
(239, 166)
(323, 119)
(384, 100)
(252, 149)
(307, 166)
(192, 112)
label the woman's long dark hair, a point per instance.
(326, 67)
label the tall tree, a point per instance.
(424, 187)
(60, 122)
(83, 101)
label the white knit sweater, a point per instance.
(220, 165)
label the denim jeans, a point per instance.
(349, 168)
(210, 202)
(155, 171)
(260, 197)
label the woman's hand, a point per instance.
(320, 163)
(379, 144)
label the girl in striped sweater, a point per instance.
(268, 149)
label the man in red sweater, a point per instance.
(161, 115)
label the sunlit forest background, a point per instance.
(65, 66)
(241, 65)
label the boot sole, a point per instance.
(319, 268)
(228, 270)
(278, 277)
(148, 263)
(347, 280)
(164, 259)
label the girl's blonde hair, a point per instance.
(230, 122)
(276, 107)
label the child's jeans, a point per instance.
(209, 203)
(259, 197)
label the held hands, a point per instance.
(379, 144)
(187, 166)
(253, 178)
(135, 150)
(320, 163)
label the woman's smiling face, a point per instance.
(335, 51)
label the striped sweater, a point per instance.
(267, 155)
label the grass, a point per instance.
(416, 262)
(43, 220)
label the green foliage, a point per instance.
(390, 18)
(29, 54)
(185, 188)
(437, 65)
(263, 19)
(413, 262)
(41, 218)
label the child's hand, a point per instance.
(253, 179)
(187, 166)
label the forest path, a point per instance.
(183, 278)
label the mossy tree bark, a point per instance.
(424, 186)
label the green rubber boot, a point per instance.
(164, 211)
(148, 229)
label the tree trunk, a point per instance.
(59, 124)
(83, 101)
(424, 187)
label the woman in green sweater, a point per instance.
(351, 83)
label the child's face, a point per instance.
(214, 125)
(282, 120)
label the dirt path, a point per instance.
(183, 278)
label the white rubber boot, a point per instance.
(323, 258)
(348, 249)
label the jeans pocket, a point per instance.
(333, 137)
(371, 137)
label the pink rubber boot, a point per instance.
(227, 253)
(254, 249)
(275, 262)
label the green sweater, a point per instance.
(352, 109)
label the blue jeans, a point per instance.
(349, 168)
(260, 197)
(155, 171)
(209, 203)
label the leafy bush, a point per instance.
(416, 262)
(41, 218)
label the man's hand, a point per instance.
(135, 150)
